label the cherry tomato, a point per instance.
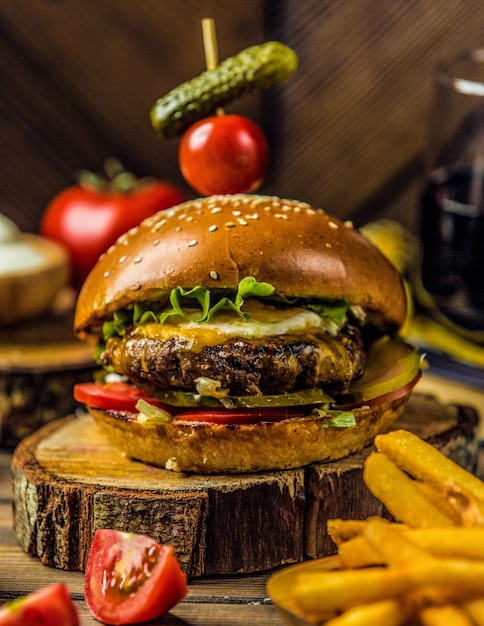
(223, 154)
(240, 416)
(116, 396)
(49, 606)
(131, 578)
(88, 218)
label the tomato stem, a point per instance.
(115, 178)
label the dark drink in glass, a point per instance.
(452, 231)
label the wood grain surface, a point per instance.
(68, 481)
(348, 132)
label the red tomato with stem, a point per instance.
(131, 578)
(88, 218)
(49, 606)
(224, 154)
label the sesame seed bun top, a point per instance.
(218, 240)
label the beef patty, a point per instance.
(267, 366)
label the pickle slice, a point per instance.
(300, 398)
(391, 364)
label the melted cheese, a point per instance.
(265, 321)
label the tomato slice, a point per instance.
(131, 578)
(240, 416)
(114, 396)
(49, 606)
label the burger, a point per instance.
(242, 333)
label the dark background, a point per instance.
(348, 132)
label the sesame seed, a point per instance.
(213, 275)
(138, 259)
(254, 216)
(192, 243)
(229, 224)
(310, 212)
(189, 218)
(281, 216)
(107, 274)
(236, 213)
(156, 242)
(349, 224)
(328, 245)
(137, 286)
(213, 228)
(215, 209)
(122, 259)
(333, 225)
(242, 222)
(178, 229)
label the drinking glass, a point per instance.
(452, 201)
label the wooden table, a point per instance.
(210, 601)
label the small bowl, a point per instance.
(32, 272)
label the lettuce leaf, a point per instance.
(209, 303)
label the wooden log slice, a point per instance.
(40, 362)
(68, 481)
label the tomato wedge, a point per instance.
(131, 578)
(240, 416)
(114, 396)
(49, 606)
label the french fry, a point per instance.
(341, 530)
(424, 462)
(394, 547)
(459, 542)
(447, 614)
(359, 552)
(475, 608)
(400, 495)
(339, 590)
(467, 506)
(393, 612)
(425, 568)
(441, 501)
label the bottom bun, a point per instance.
(207, 448)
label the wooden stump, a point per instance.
(40, 362)
(68, 481)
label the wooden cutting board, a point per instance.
(68, 481)
(40, 362)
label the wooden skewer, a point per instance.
(210, 43)
(210, 47)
